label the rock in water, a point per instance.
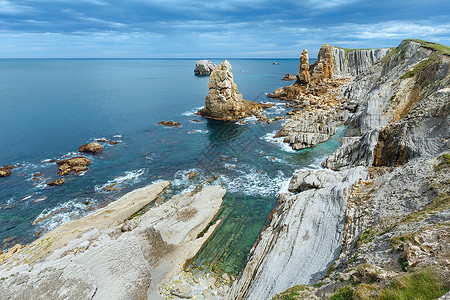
(170, 123)
(204, 67)
(91, 148)
(56, 182)
(4, 172)
(223, 101)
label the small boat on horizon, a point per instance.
(275, 63)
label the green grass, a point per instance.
(344, 293)
(424, 285)
(290, 294)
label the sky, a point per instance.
(213, 28)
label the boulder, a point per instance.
(204, 67)
(289, 77)
(91, 148)
(224, 102)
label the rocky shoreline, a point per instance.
(377, 214)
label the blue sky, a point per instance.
(212, 29)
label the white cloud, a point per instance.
(326, 4)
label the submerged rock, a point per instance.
(91, 148)
(204, 67)
(56, 182)
(224, 102)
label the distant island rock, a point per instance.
(204, 67)
(224, 102)
(170, 123)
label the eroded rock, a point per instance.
(224, 102)
(204, 67)
(91, 148)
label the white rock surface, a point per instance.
(204, 67)
(107, 256)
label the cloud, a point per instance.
(9, 8)
(327, 4)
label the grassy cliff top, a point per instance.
(435, 46)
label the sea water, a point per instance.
(50, 107)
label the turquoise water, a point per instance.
(50, 107)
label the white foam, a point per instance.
(48, 219)
(69, 154)
(198, 131)
(192, 112)
(269, 137)
(118, 136)
(253, 182)
(130, 178)
(276, 159)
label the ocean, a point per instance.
(51, 107)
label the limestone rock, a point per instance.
(204, 67)
(91, 148)
(170, 123)
(182, 291)
(299, 243)
(303, 76)
(56, 182)
(224, 102)
(111, 255)
(322, 68)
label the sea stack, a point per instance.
(224, 102)
(322, 68)
(303, 77)
(204, 67)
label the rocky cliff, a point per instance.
(396, 218)
(224, 102)
(204, 67)
(319, 84)
(114, 253)
(355, 61)
(402, 109)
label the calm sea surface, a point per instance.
(50, 107)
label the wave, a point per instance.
(77, 208)
(192, 112)
(129, 178)
(270, 138)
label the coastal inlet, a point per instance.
(124, 100)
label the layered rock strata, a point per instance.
(204, 67)
(224, 102)
(111, 253)
(303, 237)
(402, 109)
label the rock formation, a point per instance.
(322, 68)
(56, 182)
(299, 242)
(75, 164)
(204, 67)
(402, 116)
(289, 77)
(170, 123)
(355, 61)
(303, 76)
(91, 148)
(223, 101)
(396, 219)
(111, 253)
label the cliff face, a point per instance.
(399, 124)
(354, 62)
(401, 109)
